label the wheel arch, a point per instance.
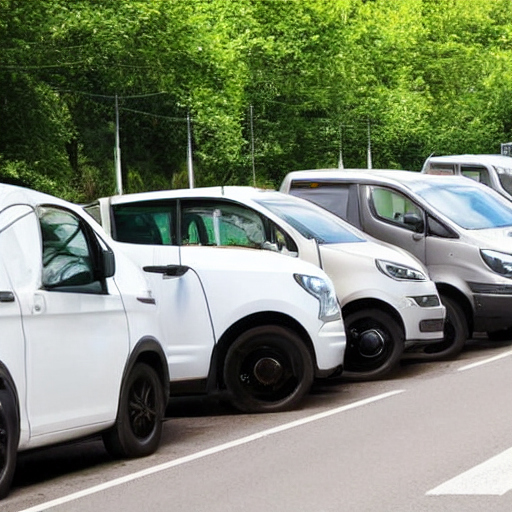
(361, 304)
(459, 297)
(255, 320)
(148, 350)
(7, 382)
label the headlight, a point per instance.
(399, 271)
(500, 262)
(324, 292)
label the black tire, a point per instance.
(9, 438)
(456, 332)
(138, 426)
(375, 344)
(267, 369)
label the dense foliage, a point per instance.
(267, 85)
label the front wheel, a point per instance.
(456, 332)
(9, 437)
(267, 369)
(375, 344)
(138, 427)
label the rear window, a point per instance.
(331, 196)
(439, 168)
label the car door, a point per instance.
(147, 232)
(391, 216)
(74, 323)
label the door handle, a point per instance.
(6, 297)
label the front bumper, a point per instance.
(330, 345)
(493, 306)
(423, 325)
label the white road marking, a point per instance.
(492, 477)
(485, 361)
(205, 453)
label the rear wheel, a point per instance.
(375, 344)
(9, 438)
(267, 369)
(456, 332)
(138, 427)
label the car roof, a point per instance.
(399, 178)
(226, 192)
(13, 194)
(497, 160)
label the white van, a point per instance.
(460, 229)
(255, 325)
(495, 171)
(81, 352)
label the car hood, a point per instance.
(499, 239)
(370, 251)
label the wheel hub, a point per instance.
(268, 370)
(371, 343)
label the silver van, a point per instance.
(460, 229)
(495, 171)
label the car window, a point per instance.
(67, 257)
(476, 173)
(218, 223)
(94, 211)
(395, 208)
(440, 168)
(331, 196)
(310, 221)
(147, 223)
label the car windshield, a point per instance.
(311, 221)
(505, 177)
(469, 206)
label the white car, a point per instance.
(388, 302)
(80, 351)
(253, 325)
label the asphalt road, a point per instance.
(437, 437)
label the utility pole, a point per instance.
(117, 154)
(252, 149)
(189, 154)
(369, 147)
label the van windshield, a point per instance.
(469, 206)
(505, 177)
(311, 221)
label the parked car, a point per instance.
(495, 171)
(388, 303)
(460, 229)
(255, 326)
(80, 351)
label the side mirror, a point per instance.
(414, 220)
(108, 263)
(168, 270)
